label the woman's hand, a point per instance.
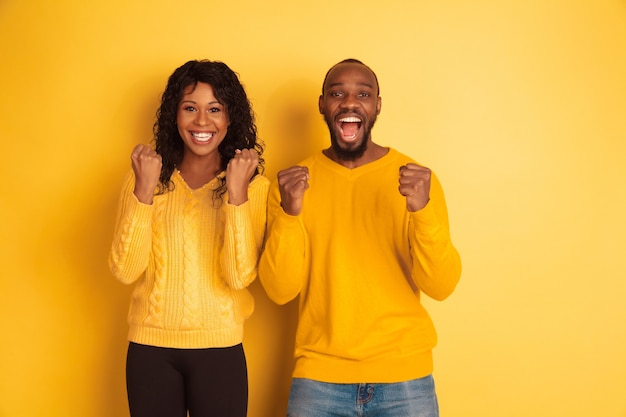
(238, 174)
(146, 165)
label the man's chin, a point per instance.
(349, 153)
(348, 146)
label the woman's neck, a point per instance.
(197, 172)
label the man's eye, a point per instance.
(364, 95)
(335, 94)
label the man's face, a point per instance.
(350, 104)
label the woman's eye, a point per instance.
(189, 108)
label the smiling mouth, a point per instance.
(202, 136)
(349, 127)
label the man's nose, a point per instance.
(349, 101)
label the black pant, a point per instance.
(165, 382)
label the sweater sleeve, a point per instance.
(284, 263)
(244, 230)
(132, 238)
(436, 262)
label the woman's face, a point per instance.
(202, 121)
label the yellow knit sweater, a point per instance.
(359, 261)
(190, 261)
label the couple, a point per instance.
(358, 231)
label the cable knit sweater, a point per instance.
(191, 262)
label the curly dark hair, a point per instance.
(242, 131)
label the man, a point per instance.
(359, 231)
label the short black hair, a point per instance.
(351, 61)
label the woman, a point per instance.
(189, 231)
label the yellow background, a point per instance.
(520, 107)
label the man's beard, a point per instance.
(349, 154)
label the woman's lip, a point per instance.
(202, 137)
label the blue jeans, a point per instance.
(415, 398)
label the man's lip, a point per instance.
(350, 119)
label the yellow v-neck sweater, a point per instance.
(191, 262)
(360, 261)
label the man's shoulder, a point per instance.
(404, 159)
(396, 154)
(313, 161)
(310, 160)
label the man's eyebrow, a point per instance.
(362, 84)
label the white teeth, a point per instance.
(202, 136)
(350, 120)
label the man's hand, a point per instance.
(292, 183)
(146, 164)
(238, 173)
(415, 186)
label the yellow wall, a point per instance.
(519, 106)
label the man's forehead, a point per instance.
(349, 73)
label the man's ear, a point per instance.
(320, 104)
(378, 105)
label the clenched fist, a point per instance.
(292, 183)
(238, 173)
(415, 186)
(146, 165)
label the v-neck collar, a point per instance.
(360, 170)
(211, 185)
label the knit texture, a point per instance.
(360, 262)
(191, 261)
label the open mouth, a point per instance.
(202, 137)
(349, 127)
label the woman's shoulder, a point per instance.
(260, 180)
(259, 184)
